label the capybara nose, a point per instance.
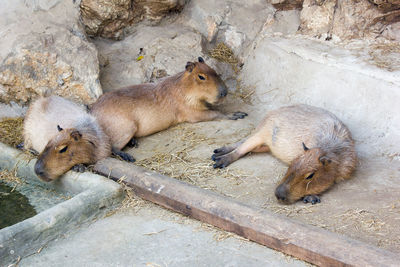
(223, 93)
(281, 192)
(39, 168)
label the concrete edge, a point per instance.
(94, 194)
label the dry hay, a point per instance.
(223, 53)
(11, 131)
(180, 164)
(10, 178)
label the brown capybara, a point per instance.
(64, 134)
(144, 109)
(315, 144)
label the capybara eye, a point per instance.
(310, 176)
(201, 77)
(62, 150)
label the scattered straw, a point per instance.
(180, 164)
(11, 131)
(10, 177)
(223, 53)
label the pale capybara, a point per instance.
(64, 134)
(315, 144)
(144, 109)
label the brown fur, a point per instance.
(82, 141)
(330, 159)
(144, 109)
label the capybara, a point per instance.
(315, 144)
(64, 134)
(141, 110)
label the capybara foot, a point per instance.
(133, 143)
(238, 115)
(313, 199)
(79, 168)
(33, 152)
(222, 161)
(20, 146)
(124, 156)
(221, 151)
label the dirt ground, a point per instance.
(366, 208)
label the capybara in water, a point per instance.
(144, 109)
(317, 146)
(64, 134)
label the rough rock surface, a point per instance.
(287, 4)
(348, 19)
(387, 5)
(235, 23)
(109, 18)
(43, 51)
(147, 55)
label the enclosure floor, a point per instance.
(366, 207)
(147, 235)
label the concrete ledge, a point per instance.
(305, 242)
(93, 194)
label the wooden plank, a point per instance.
(302, 241)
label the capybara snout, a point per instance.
(66, 150)
(309, 174)
(207, 84)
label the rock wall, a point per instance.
(44, 51)
(108, 18)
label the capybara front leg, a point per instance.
(313, 199)
(237, 115)
(209, 115)
(123, 155)
(252, 143)
(79, 168)
(225, 150)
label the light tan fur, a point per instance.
(144, 109)
(331, 156)
(84, 140)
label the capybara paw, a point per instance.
(313, 199)
(79, 168)
(126, 157)
(20, 146)
(33, 152)
(220, 151)
(238, 115)
(133, 143)
(220, 162)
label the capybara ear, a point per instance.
(304, 147)
(201, 60)
(189, 66)
(59, 128)
(325, 160)
(76, 135)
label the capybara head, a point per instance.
(67, 149)
(309, 174)
(204, 83)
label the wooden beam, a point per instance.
(306, 242)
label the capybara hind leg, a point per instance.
(133, 143)
(252, 143)
(123, 155)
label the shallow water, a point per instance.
(14, 207)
